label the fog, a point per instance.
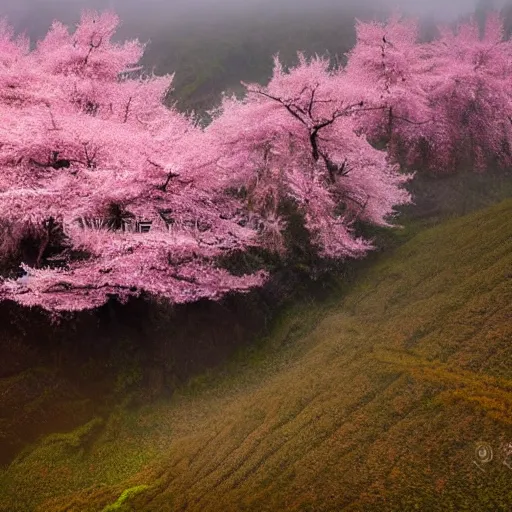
(32, 13)
(214, 44)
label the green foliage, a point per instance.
(121, 503)
(75, 439)
(213, 58)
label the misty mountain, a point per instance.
(35, 15)
(213, 44)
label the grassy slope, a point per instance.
(375, 402)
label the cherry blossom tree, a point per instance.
(390, 64)
(445, 104)
(89, 158)
(106, 192)
(295, 141)
(470, 93)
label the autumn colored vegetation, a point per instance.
(376, 400)
(106, 192)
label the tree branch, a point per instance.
(127, 110)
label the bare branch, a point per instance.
(127, 110)
(92, 47)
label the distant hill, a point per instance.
(209, 49)
(213, 45)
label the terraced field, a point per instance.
(396, 395)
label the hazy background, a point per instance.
(171, 12)
(213, 44)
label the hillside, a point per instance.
(377, 400)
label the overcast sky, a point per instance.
(168, 8)
(146, 18)
(184, 32)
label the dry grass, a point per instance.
(374, 404)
